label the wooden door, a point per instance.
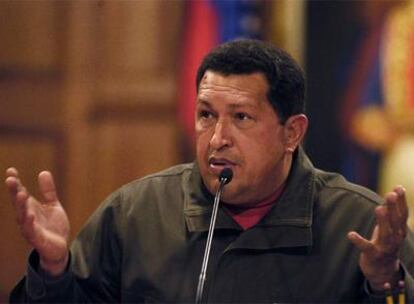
(87, 90)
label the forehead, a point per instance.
(248, 85)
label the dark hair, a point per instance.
(245, 56)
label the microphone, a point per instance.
(225, 177)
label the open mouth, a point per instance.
(216, 165)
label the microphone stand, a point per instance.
(225, 177)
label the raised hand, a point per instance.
(379, 259)
(44, 224)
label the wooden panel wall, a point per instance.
(87, 90)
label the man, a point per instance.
(285, 232)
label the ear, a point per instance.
(295, 130)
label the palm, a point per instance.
(49, 229)
(382, 252)
(43, 223)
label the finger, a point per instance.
(47, 186)
(25, 215)
(393, 213)
(12, 186)
(13, 182)
(387, 240)
(402, 202)
(383, 222)
(21, 206)
(403, 210)
(397, 212)
(12, 172)
(29, 226)
(28, 229)
(361, 243)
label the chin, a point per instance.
(229, 196)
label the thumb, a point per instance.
(361, 243)
(47, 186)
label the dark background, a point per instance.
(332, 27)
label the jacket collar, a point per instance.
(198, 206)
(288, 224)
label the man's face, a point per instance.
(236, 127)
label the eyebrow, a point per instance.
(204, 102)
(233, 106)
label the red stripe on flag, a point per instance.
(201, 34)
(410, 71)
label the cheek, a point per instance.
(263, 152)
(202, 147)
(201, 142)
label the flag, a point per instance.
(378, 111)
(208, 23)
(364, 91)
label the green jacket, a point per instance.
(146, 243)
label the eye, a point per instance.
(204, 114)
(242, 116)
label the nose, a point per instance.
(221, 137)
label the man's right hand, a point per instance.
(44, 224)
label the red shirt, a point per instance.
(248, 216)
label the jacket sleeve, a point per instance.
(407, 258)
(407, 292)
(38, 287)
(93, 274)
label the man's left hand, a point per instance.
(379, 259)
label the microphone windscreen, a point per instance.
(226, 175)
